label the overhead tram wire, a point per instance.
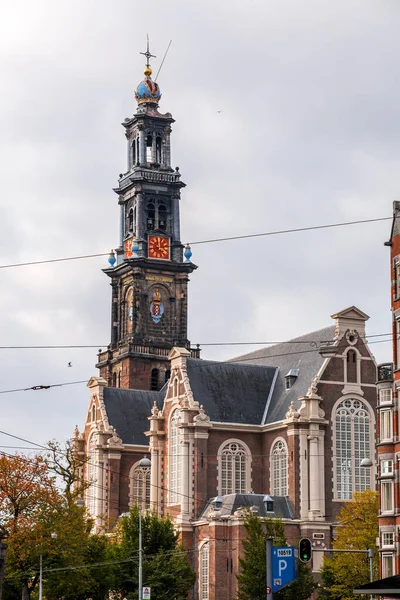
(202, 344)
(201, 363)
(104, 488)
(108, 470)
(210, 241)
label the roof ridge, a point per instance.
(229, 362)
(300, 338)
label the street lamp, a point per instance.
(144, 464)
(53, 537)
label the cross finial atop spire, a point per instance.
(148, 54)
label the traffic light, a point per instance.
(305, 550)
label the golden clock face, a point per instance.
(158, 247)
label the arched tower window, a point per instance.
(92, 474)
(279, 469)
(158, 149)
(352, 426)
(129, 310)
(133, 152)
(114, 380)
(204, 556)
(162, 217)
(119, 379)
(93, 412)
(175, 471)
(139, 480)
(151, 215)
(137, 151)
(154, 379)
(234, 469)
(130, 219)
(149, 148)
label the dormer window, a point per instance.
(290, 378)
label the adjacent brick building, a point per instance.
(292, 421)
(388, 444)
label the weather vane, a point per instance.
(148, 54)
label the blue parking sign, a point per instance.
(284, 566)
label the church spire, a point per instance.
(149, 274)
(148, 91)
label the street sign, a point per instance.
(284, 566)
(146, 593)
(269, 591)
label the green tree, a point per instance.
(43, 521)
(166, 568)
(357, 529)
(253, 570)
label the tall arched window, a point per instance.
(92, 474)
(129, 310)
(352, 424)
(149, 148)
(130, 219)
(134, 152)
(158, 149)
(234, 469)
(279, 469)
(139, 480)
(175, 470)
(204, 556)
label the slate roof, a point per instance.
(128, 412)
(299, 353)
(232, 502)
(231, 393)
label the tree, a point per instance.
(253, 569)
(357, 529)
(44, 522)
(166, 568)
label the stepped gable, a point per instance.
(286, 356)
(231, 393)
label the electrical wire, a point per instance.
(294, 230)
(209, 241)
(202, 344)
(43, 387)
(247, 359)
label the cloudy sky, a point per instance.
(287, 115)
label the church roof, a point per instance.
(128, 412)
(231, 393)
(299, 353)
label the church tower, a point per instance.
(149, 271)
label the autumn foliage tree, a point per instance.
(357, 529)
(44, 521)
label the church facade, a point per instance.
(280, 431)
